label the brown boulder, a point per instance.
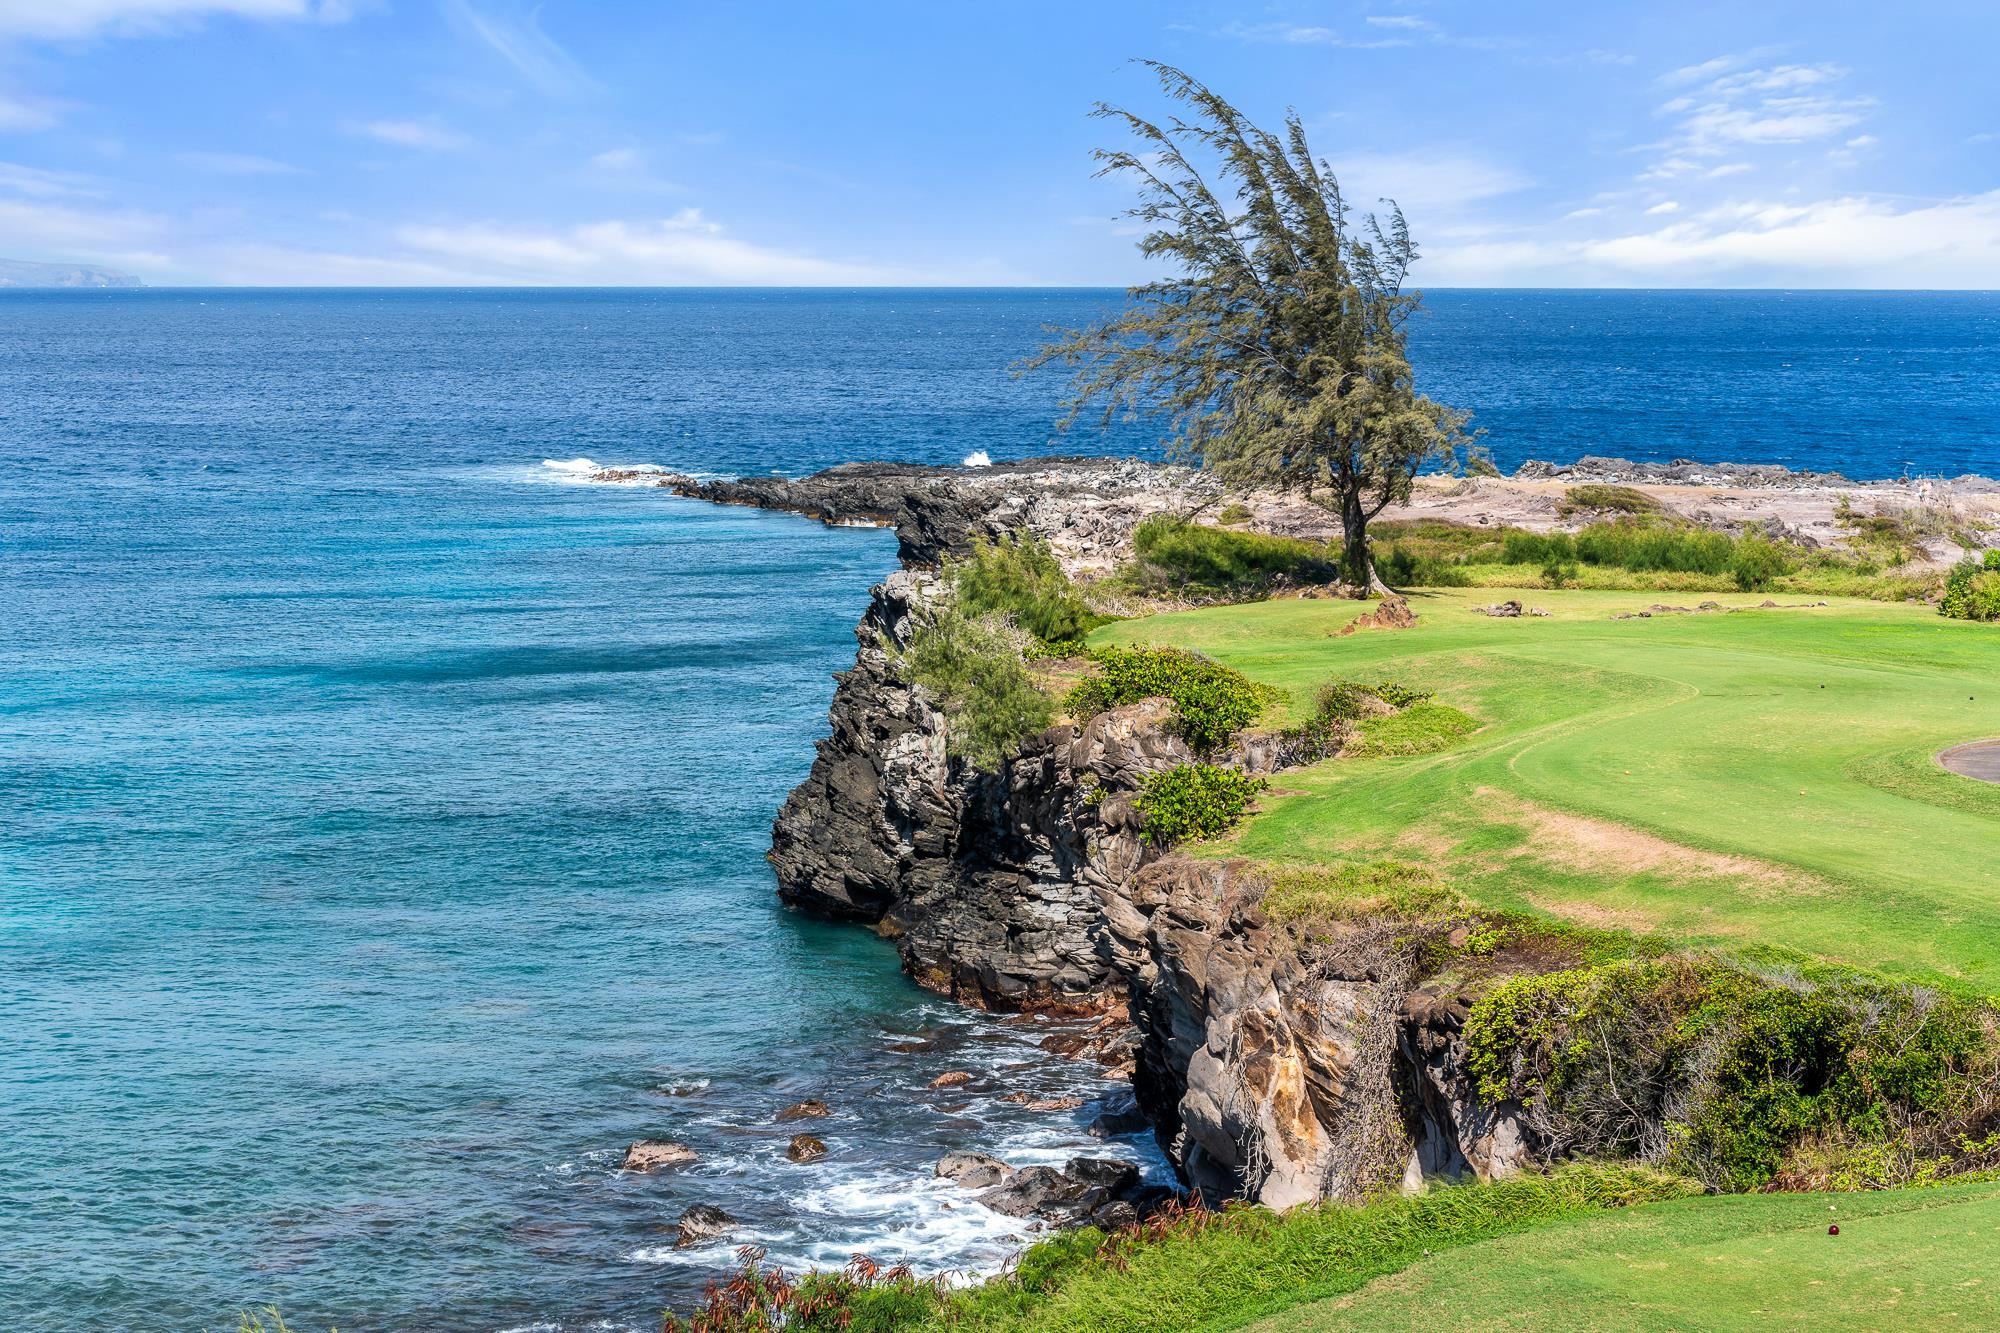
(655, 1154)
(703, 1222)
(805, 1148)
(950, 1080)
(806, 1110)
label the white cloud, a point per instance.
(68, 19)
(29, 229)
(1296, 34)
(685, 248)
(1426, 182)
(1849, 241)
(1407, 22)
(1668, 206)
(20, 112)
(1727, 169)
(619, 159)
(38, 183)
(520, 42)
(1784, 104)
(235, 164)
(1575, 213)
(1863, 141)
(425, 134)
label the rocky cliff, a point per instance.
(1272, 1069)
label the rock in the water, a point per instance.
(655, 1154)
(950, 1080)
(805, 1110)
(1106, 1173)
(805, 1148)
(973, 1170)
(1053, 1103)
(703, 1222)
(1121, 1115)
(1037, 1191)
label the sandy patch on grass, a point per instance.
(1601, 846)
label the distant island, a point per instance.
(22, 273)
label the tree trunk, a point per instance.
(1357, 565)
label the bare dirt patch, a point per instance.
(1599, 845)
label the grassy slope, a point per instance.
(1904, 1259)
(1747, 781)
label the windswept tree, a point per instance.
(1277, 347)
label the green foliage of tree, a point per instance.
(1277, 348)
(1189, 802)
(1019, 577)
(1757, 562)
(1972, 592)
(1212, 702)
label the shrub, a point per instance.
(1404, 567)
(974, 669)
(1598, 498)
(1559, 574)
(1320, 893)
(1232, 514)
(1536, 548)
(1211, 702)
(1189, 802)
(1972, 592)
(1180, 554)
(1018, 577)
(1757, 563)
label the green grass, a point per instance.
(1252, 1262)
(1903, 1259)
(1759, 783)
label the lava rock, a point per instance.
(657, 1154)
(703, 1222)
(805, 1148)
(973, 1170)
(805, 1110)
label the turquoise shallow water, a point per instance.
(382, 812)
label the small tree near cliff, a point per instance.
(1277, 349)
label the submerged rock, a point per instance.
(805, 1148)
(809, 1109)
(657, 1154)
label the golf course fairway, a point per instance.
(1759, 781)
(1915, 1258)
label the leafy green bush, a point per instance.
(1972, 592)
(1400, 696)
(1704, 1068)
(1641, 546)
(1189, 802)
(1559, 574)
(1757, 563)
(1211, 702)
(975, 670)
(1232, 514)
(1404, 567)
(1520, 547)
(1018, 577)
(1177, 553)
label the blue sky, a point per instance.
(585, 142)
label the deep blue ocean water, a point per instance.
(382, 810)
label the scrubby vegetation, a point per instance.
(1598, 498)
(975, 670)
(1020, 579)
(1211, 702)
(1423, 728)
(1708, 1070)
(1972, 591)
(1174, 554)
(1190, 802)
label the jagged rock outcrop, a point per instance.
(988, 881)
(1287, 1070)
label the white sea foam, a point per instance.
(582, 465)
(978, 458)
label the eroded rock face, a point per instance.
(988, 881)
(1286, 1072)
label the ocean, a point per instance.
(382, 805)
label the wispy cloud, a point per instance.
(1427, 182)
(64, 20)
(684, 248)
(236, 164)
(1783, 104)
(424, 134)
(21, 112)
(40, 183)
(519, 41)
